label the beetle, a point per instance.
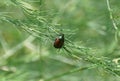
(59, 41)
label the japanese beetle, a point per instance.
(59, 41)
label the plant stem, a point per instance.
(70, 72)
(112, 19)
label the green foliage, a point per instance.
(29, 28)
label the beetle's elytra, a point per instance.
(59, 41)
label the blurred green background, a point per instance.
(86, 23)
